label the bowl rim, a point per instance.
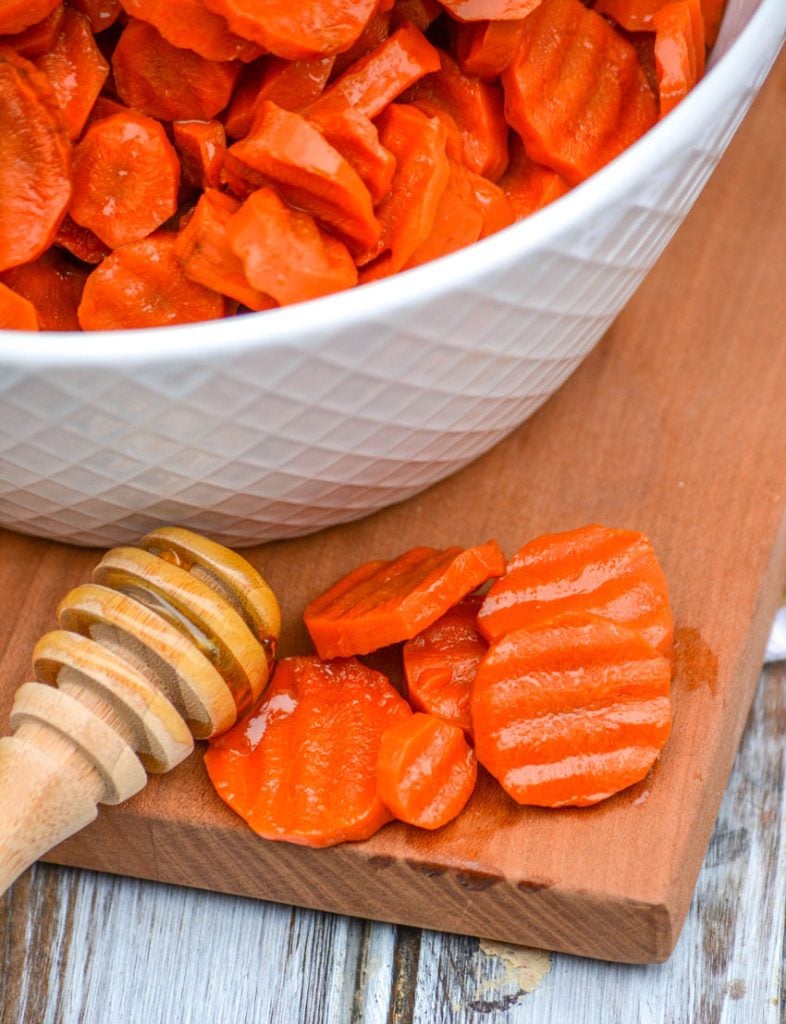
(306, 322)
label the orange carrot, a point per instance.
(575, 92)
(485, 48)
(17, 15)
(632, 15)
(569, 711)
(101, 14)
(189, 25)
(529, 186)
(421, 13)
(203, 249)
(384, 602)
(291, 85)
(489, 10)
(458, 220)
(440, 663)
(166, 82)
(713, 15)
(126, 177)
(495, 207)
(35, 162)
(356, 138)
(80, 242)
(143, 285)
(374, 34)
(426, 771)
(16, 312)
(202, 147)
(53, 285)
(679, 51)
(610, 572)
(302, 768)
(284, 253)
(37, 38)
(76, 70)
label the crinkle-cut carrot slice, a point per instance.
(385, 602)
(76, 70)
(632, 15)
(441, 661)
(489, 10)
(679, 51)
(407, 213)
(285, 150)
(53, 284)
(485, 48)
(356, 138)
(143, 285)
(284, 253)
(126, 178)
(527, 185)
(17, 15)
(202, 147)
(426, 771)
(375, 80)
(575, 92)
(302, 767)
(189, 25)
(37, 38)
(458, 221)
(420, 12)
(374, 34)
(290, 84)
(477, 109)
(81, 242)
(35, 162)
(570, 711)
(495, 207)
(313, 28)
(203, 248)
(609, 572)
(166, 82)
(16, 312)
(101, 14)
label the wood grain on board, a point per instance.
(674, 425)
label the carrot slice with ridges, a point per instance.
(53, 284)
(458, 220)
(202, 147)
(489, 10)
(17, 15)
(679, 51)
(291, 85)
(495, 207)
(37, 38)
(101, 14)
(16, 312)
(529, 186)
(632, 15)
(190, 25)
(485, 48)
(356, 138)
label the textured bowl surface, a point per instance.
(277, 424)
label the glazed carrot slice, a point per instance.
(126, 177)
(713, 15)
(202, 147)
(477, 109)
(76, 70)
(383, 74)
(426, 771)
(80, 242)
(632, 15)
(284, 253)
(290, 84)
(35, 162)
(302, 768)
(105, 106)
(489, 10)
(495, 207)
(609, 572)
(143, 285)
(420, 12)
(17, 15)
(441, 662)
(384, 602)
(356, 138)
(679, 51)
(16, 312)
(485, 48)
(458, 220)
(374, 34)
(301, 31)
(191, 26)
(53, 284)
(529, 186)
(575, 92)
(203, 249)
(38, 38)
(101, 14)
(284, 149)
(568, 712)
(166, 82)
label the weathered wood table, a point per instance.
(98, 949)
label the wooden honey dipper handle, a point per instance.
(172, 640)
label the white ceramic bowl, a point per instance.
(277, 424)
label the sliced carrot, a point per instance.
(190, 25)
(16, 312)
(477, 109)
(291, 85)
(166, 82)
(126, 177)
(202, 148)
(713, 15)
(441, 662)
(17, 15)
(570, 711)
(679, 51)
(530, 186)
(421, 13)
(76, 70)
(286, 150)
(374, 34)
(385, 602)
(53, 284)
(101, 14)
(312, 28)
(143, 285)
(37, 38)
(575, 92)
(485, 48)
(377, 79)
(609, 572)
(632, 15)
(284, 253)
(356, 138)
(80, 242)
(203, 249)
(426, 771)
(495, 207)
(458, 220)
(35, 161)
(489, 10)
(302, 768)
(105, 106)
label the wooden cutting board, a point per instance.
(675, 425)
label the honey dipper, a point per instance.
(172, 640)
